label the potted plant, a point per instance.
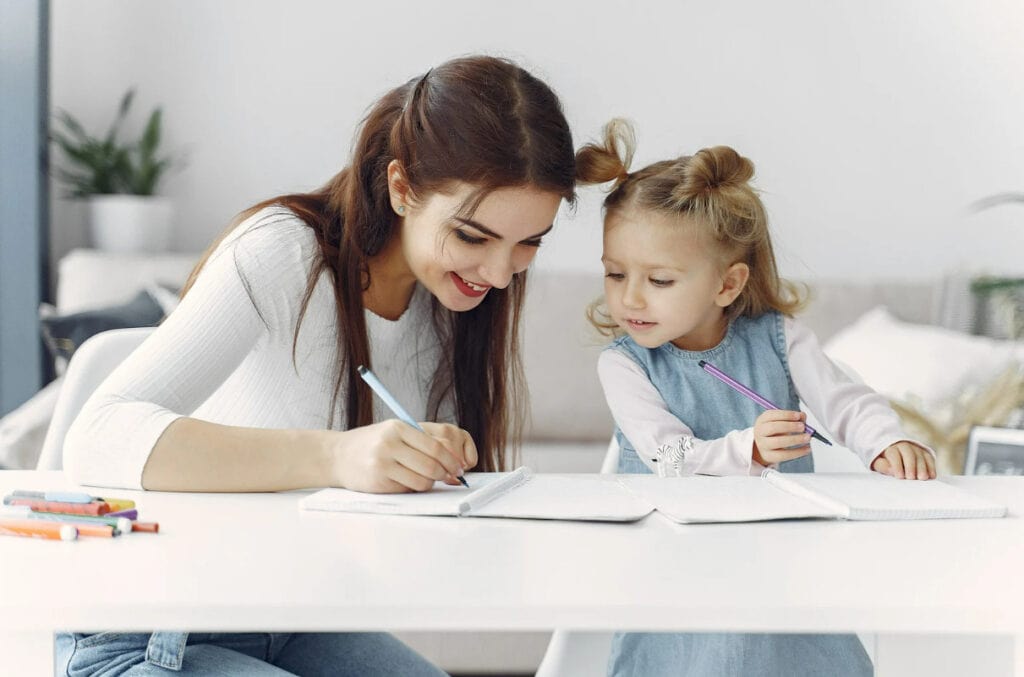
(999, 299)
(119, 179)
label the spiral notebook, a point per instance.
(695, 499)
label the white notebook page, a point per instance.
(568, 497)
(872, 496)
(700, 498)
(443, 499)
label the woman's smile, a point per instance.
(469, 288)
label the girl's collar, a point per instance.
(718, 349)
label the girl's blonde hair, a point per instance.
(710, 189)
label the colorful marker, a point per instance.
(71, 497)
(38, 529)
(54, 506)
(106, 526)
(151, 527)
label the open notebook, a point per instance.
(521, 493)
(775, 495)
(625, 498)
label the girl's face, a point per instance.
(663, 283)
(460, 259)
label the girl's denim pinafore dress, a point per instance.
(754, 353)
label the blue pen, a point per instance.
(58, 496)
(393, 404)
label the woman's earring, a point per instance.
(401, 210)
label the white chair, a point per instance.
(575, 653)
(89, 366)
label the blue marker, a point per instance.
(393, 404)
(58, 496)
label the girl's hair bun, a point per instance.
(610, 159)
(712, 169)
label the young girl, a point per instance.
(410, 261)
(689, 276)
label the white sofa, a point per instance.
(570, 424)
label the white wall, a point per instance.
(873, 125)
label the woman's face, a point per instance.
(459, 259)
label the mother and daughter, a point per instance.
(413, 260)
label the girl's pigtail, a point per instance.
(609, 160)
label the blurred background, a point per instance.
(873, 126)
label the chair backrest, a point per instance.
(610, 464)
(89, 366)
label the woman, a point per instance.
(412, 261)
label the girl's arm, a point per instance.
(645, 420)
(857, 416)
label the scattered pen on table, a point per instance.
(399, 411)
(67, 515)
(750, 394)
(37, 529)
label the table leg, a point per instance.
(27, 653)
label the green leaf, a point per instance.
(72, 124)
(151, 135)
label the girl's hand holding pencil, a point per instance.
(779, 435)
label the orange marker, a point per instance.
(152, 527)
(100, 530)
(55, 506)
(37, 529)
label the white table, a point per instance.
(225, 562)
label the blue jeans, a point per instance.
(142, 654)
(649, 654)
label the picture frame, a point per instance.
(994, 451)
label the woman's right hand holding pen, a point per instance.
(394, 457)
(779, 436)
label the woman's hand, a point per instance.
(456, 439)
(393, 457)
(905, 460)
(779, 436)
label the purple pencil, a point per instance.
(747, 392)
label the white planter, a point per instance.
(130, 223)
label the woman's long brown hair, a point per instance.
(479, 120)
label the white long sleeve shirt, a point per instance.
(857, 417)
(225, 355)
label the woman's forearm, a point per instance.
(195, 455)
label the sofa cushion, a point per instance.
(62, 334)
(914, 362)
(835, 304)
(89, 279)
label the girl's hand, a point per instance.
(779, 436)
(905, 460)
(393, 457)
